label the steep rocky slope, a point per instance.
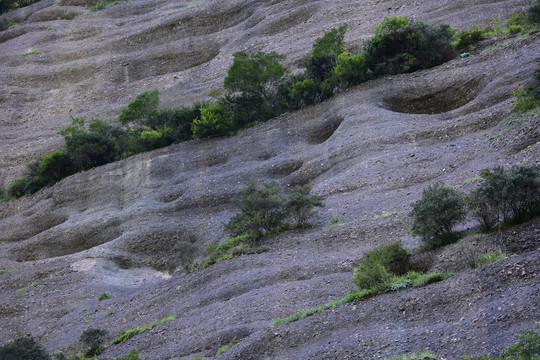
(369, 150)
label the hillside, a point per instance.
(370, 151)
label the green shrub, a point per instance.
(17, 188)
(23, 348)
(127, 334)
(324, 56)
(526, 99)
(55, 166)
(437, 212)
(262, 207)
(301, 205)
(142, 110)
(104, 296)
(517, 18)
(307, 92)
(511, 196)
(533, 12)
(527, 347)
(146, 138)
(178, 119)
(186, 251)
(212, 122)
(351, 69)
(514, 29)
(401, 45)
(93, 339)
(466, 38)
(256, 79)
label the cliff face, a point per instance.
(369, 150)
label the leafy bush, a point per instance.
(127, 334)
(224, 348)
(93, 339)
(142, 110)
(533, 12)
(178, 119)
(307, 92)
(262, 207)
(256, 79)
(466, 38)
(23, 348)
(55, 166)
(507, 195)
(104, 296)
(516, 18)
(437, 212)
(212, 122)
(300, 204)
(526, 99)
(373, 272)
(401, 45)
(527, 347)
(324, 56)
(17, 188)
(351, 69)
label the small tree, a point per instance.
(213, 122)
(93, 339)
(23, 348)
(142, 110)
(437, 212)
(324, 56)
(301, 204)
(262, 208)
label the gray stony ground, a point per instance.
(369, 150)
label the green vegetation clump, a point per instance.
(127, 334)
(527, 98)
(489, 257)
(105, 296)
(102, 4)
(224, 348)
(93, 339)
(436, 213)
(511, 196)
(467, 38)
(533, 12)
(424, 355)
(24, 348)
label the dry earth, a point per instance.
(370, 151)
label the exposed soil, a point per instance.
(370, 150)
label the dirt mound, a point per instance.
(370, 151)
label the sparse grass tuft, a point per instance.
(334, 221)
(102, 4)
(109, 312)
(3, 271)
(224, 348)
(490, 257)
(424, 355)
(31, 51)
(126, 334)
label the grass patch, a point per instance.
(126, 334)
(224, 348)
(489, 257)
(411, 279)
(104, 296)
(90, 318)
(24, 291)
(185, 8)
(387, 214)
(416, 356)
(102, 4)
(334, 221)
(109, 312)
(514, 123)
(84, 308)
(31, 51)
(233, 247)
(3, 271)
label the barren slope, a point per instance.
(371, 149)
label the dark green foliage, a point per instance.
(300, 205)
(437, 212)
(307, 92)
(324, 56)
(256, 79)
(178, 119)
(401, 45)
(262, 207)
(7, 5)
(527, 347)
(533, 12)
(93, 339)
(527, 98)
(23, 348)
(511, 196)
(376, 267)
(17, 188)
(55, 166)
(351, 69)
(466, 38)
(213, 121)
(142, 110)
